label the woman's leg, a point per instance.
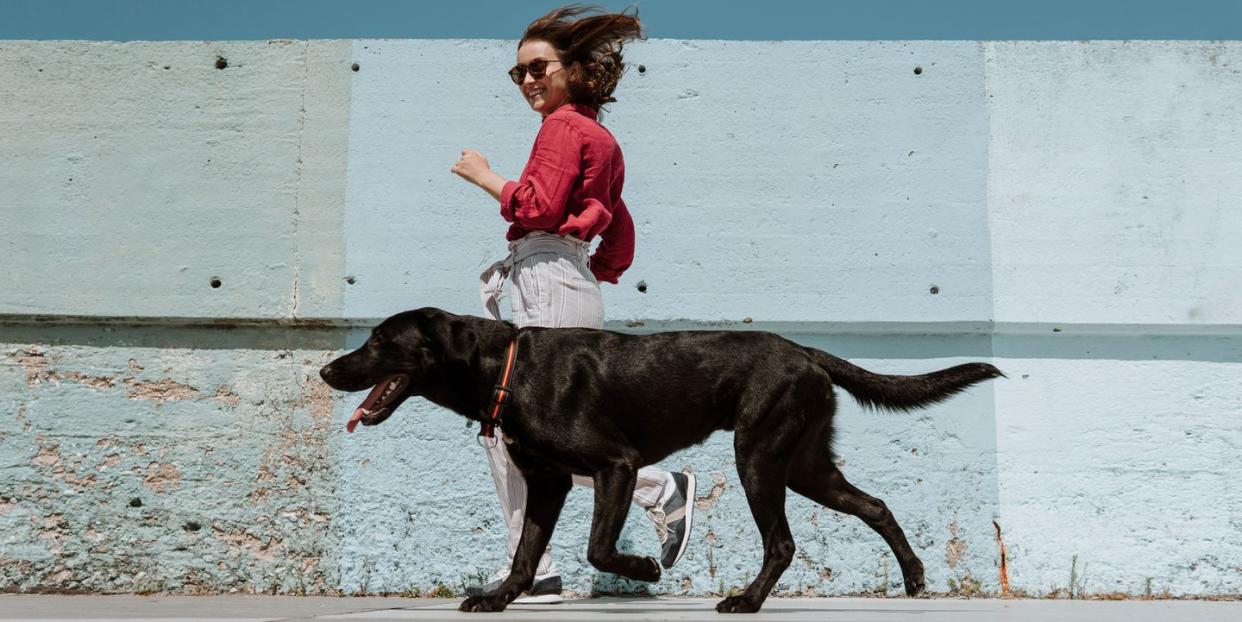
(649, 489)
(511, 488)
(558, 291)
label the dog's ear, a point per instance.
(449, 335)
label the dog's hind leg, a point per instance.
(614, 486)
(761, 468)
(545, 496)
(814, 476)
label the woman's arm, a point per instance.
(615, 252)
(473, 167)
(537, 200)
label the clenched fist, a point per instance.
(472, 166)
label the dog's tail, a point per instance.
(902, 392)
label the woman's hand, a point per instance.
(473, 168)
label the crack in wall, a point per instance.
(297, 186)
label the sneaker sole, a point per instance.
(543, 599)
(681, 549)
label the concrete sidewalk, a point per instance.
(273, 608)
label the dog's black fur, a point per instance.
(603, 404)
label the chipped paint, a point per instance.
(38, 370)
(955, 548)
(48, 454)
(251, 544)
(160, 390)
(718, 487)
(34, 362)
(226, 395)
(161, 477)
(201, 439)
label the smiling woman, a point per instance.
(588, 52)
(568, 65)
(543, 91)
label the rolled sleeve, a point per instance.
(616, 248)
(537, 200)
(506, 200)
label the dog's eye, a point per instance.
(374, 341)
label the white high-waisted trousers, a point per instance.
(552, 287)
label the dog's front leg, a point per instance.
(545, 496)
(613, 488)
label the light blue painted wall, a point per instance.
(1069, 201)
(1112, 182)
(811, 189)
(137, 172)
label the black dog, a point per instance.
(603, 404)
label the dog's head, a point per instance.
(397, 361)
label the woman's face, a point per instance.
(547, 93)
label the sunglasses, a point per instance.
(537, 68)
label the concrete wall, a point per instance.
(1064, 210)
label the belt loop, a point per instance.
(492, 280)
(492, 285)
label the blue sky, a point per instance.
(678, 19)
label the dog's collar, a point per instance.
(501, 394)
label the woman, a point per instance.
(569, 193)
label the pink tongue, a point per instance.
(353, 421)
(372, 398)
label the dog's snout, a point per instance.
(340, 375)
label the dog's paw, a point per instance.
(916, 589)
(480, 604)
(738, 604)
(651, 574)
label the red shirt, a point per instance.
(572, 186)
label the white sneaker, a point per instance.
(546, 589)
(673, 518)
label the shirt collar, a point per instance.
(581, 109)
(586, 111)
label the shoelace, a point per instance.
(657, 518)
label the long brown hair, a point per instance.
(593, 42)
